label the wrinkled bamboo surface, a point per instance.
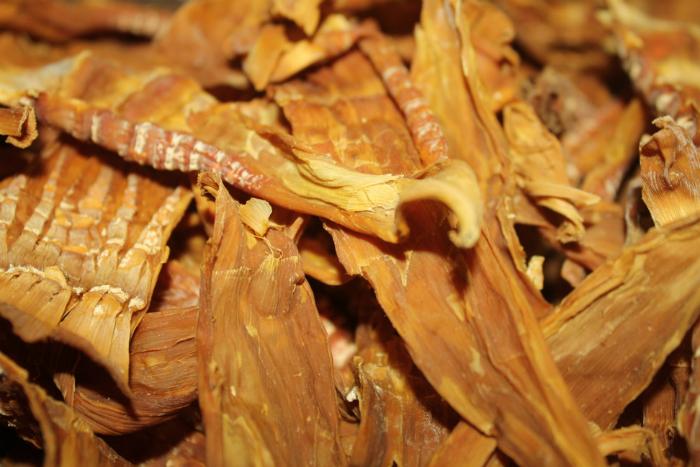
(349, 232)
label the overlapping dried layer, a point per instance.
(411, 277)
(87, 239)
(65, 438)
(419, 163)
(259, 159)
(19, 125)
(262, 348)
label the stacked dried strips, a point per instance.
(349, 232)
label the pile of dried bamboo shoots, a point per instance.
(349, 232)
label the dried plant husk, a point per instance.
(663, 398)
(563, 104)
(259, 159)
(492, 33)
(590, 230)
(275, 58)
(162, 363)
(395, 424)
(632, 444)
(306, 13)
(540, 168)
(603, 238)
(670, 172)
(266, 377)
(678, 10)
(419, 187)
(402, 419)
(19, 125)
(437, 71)
(466, 444)
(618, 152)
(197, 40)
(426, 132)
(396, 283)
(21, 51)
(326, 106)
(596, 319)
(82, 235)
(661, 58)
(599, 133)
(59, 20)
(560, 33)
(25, 62)
(470, 308)
(65, 438)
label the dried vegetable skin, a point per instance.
(466, 444)
(560, 33)
(587, 364)
(342, 109)
(409, 302)
(275, 58)
(662, 401)
(306, 13)
(540, 169)
(60, 20)
(422, 273)
(162, 363)
(633, 444)
(605, 179)
(492, 33)
(661, 59)
(436, 72)
(592, 226)
(395, 425)
(71, 232)
(402, 419)
(675, 10)
(598, 131)
(28, 67)
(18, 125)
(669, 171)
(66, 439)
(196, 39)
(595, 318)
(603, 238)
(266, 377)
(21, 51)
(560, 102)
(336, 35)
(261, 160)
(419, 158)
(425, 129)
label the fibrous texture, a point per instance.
(349, 232)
